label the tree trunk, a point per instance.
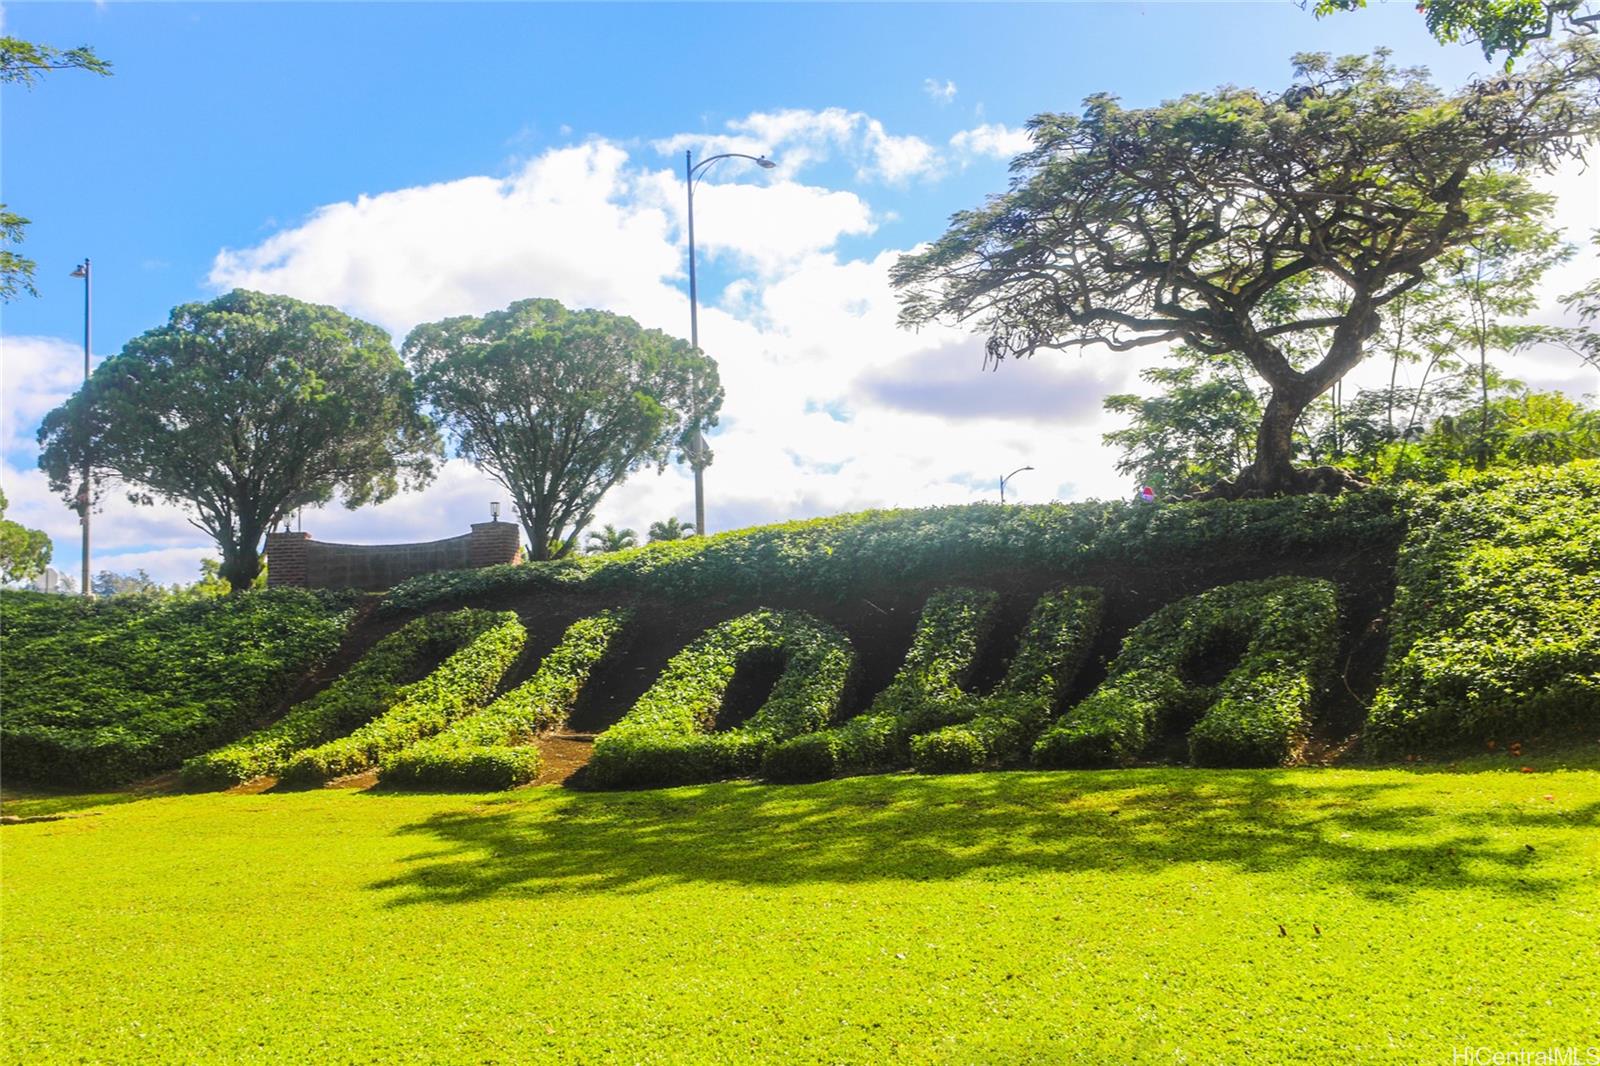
(241, 564)
(1273, 473)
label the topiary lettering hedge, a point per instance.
(491, 749)
(366, 691)
(1000, 728)
(665, 738)
(99, 692)
(1497, 615)
(1284, 632)
(925, 694)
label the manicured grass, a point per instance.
(1051, 917)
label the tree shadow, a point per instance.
(999, 825)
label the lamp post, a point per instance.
(695, 449)
(1007, 478)
(85, 271)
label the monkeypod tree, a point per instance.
(561, 406)
(1279, 228)
(243, 410)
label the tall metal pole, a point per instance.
(694, 341)
(88, 345)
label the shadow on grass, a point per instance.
(998, 825)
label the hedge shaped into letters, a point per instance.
(1061, 629)
(1497, 614)
(364, 692)
(664, 738)
(490, 749)
(1288, 629)
(925, 694)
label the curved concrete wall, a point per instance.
(295, 560)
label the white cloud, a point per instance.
(940, 92)
(796, 139)
(991, 140)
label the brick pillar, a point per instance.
(493, 543)
(286, 559)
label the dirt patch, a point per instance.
(564, 754)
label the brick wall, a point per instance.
(294, 559)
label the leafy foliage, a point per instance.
(24, 552)
(461, 685)
(367, 690)
(560, 406)
(612, 539)
(1278, 227)
(1497, 617)
(1001, 727)
(101, 692)
(665, 738)
(1499, 26)
(670, 529)
(1284, 632)
(489, 749)
(925, 693)
(242, 410)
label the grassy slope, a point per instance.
(1058, 917)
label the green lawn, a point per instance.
(997, 918)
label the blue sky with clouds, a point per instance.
(409, 161)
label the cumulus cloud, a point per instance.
(940, 92)
(992, 140)
(797, 139)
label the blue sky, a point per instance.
(404, 161)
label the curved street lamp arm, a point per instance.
(695, 172)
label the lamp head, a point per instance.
(764, 163)
(80, 272)
(494, 510)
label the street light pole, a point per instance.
(696, 448)
(86, 272)
(1007, 478)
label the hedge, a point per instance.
(100, 692)
(362, 693)
(664, 738)
(462, 685)
(1001, 727)
(490, 749)
(925, 693)
(1496, 628)
(840, 555)
(1285, 632)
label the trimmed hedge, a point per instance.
(1002, 726)
(489, 749)
(100, 692)
(462, 684)
(925, 693)
(362, 693)
(1497, 616)
(1286, 632)
(841, 555)
(664, 738)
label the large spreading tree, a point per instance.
(243, 410)
(1279, 228)
(561, 406)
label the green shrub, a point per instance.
(841, 555)
(1001, 727)
(1497, 615)
(925, 693)
(366, 690)
(462, 684)
(99, 692)
(489, 749)
(664, 738)
(1285, 633)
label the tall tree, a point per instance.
(24, 552)
(560, 406)
(243, 410)
(24, 63)
(611, 539)
(1199, 220)
(1506, 27)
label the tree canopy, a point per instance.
(1506, 27)
(24, 552)
(561, 406)
(671, 529)
(1281, 228)
(243, 410)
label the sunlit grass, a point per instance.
(1050, 917)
